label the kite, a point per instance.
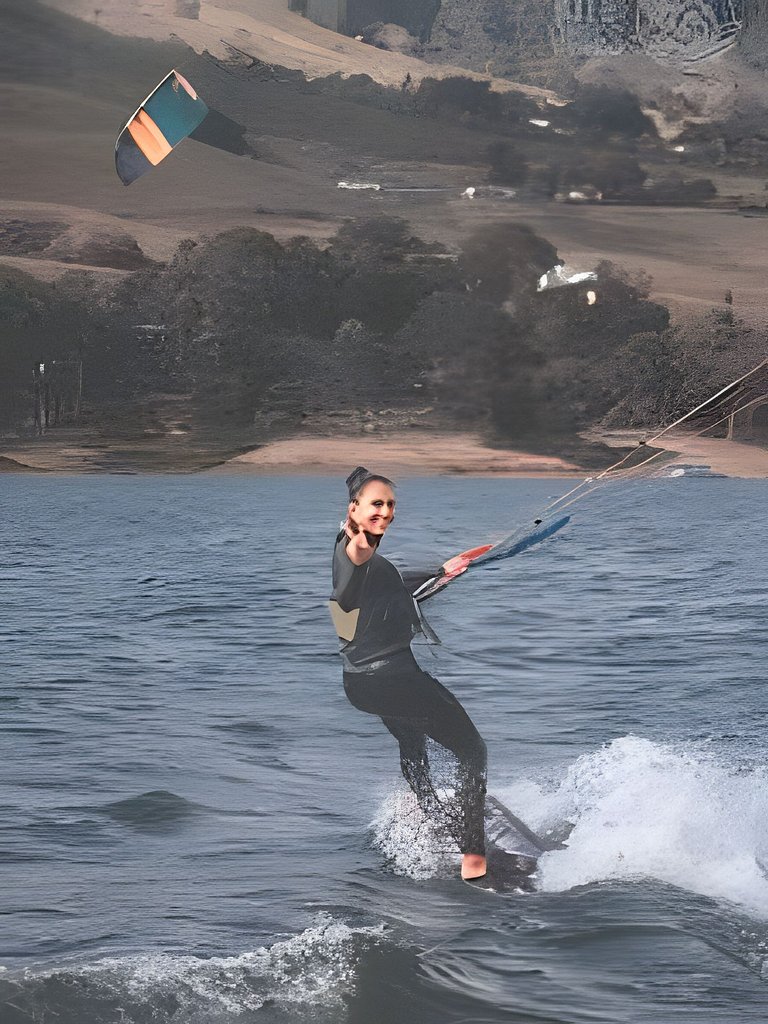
(169, 114)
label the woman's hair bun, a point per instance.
(356, 479)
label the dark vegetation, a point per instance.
(663, 376)
(264, 336)
(741, 141)
(601, 141)
(49, 240)
(38, 322)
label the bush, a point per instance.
(507, 165)
(615, 175)
(504, 260)
(675, 189)
(452, 96)
(601, 110)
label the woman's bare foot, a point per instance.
(473, 866)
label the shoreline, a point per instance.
(400, 453)
(735, 459)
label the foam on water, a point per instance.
(639, 809)
(316, 966)
(409, 841)
(645, 809)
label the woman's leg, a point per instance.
(413, 706)
(450, 726)
(414, 762)
(435, 713)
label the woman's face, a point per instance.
(374, 508)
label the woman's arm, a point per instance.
(426, 583)
(360, 549)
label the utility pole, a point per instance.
(79, 399)
(39, 386)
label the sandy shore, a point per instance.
(396, 453)
(399, 454)
(464, 454)
(731, 458)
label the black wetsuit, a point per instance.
(376, 619)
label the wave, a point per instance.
(671, 812)
(317, 966)
(156, 809)
(634, 809)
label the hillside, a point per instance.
(266, 170)
(268, 32)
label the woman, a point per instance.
(376, 618)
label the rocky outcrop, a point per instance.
(188, 9)
(12, 466)
(675, 30)
(494, 36)
(416, 16)
(754, 33)
(96, 248)
(391, 37)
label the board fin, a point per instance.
(507, 833)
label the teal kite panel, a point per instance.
(175, 112)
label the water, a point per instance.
(197, 827)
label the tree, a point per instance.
(601, 110)
(38, 324)
(380, 239)
(614, 175)
(504, 260)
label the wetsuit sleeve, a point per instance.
(415, 578)
(348, 578)
(347, 597)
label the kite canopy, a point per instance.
(166, 116)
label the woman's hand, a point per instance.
(359, 549)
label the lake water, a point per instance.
(197, 827)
